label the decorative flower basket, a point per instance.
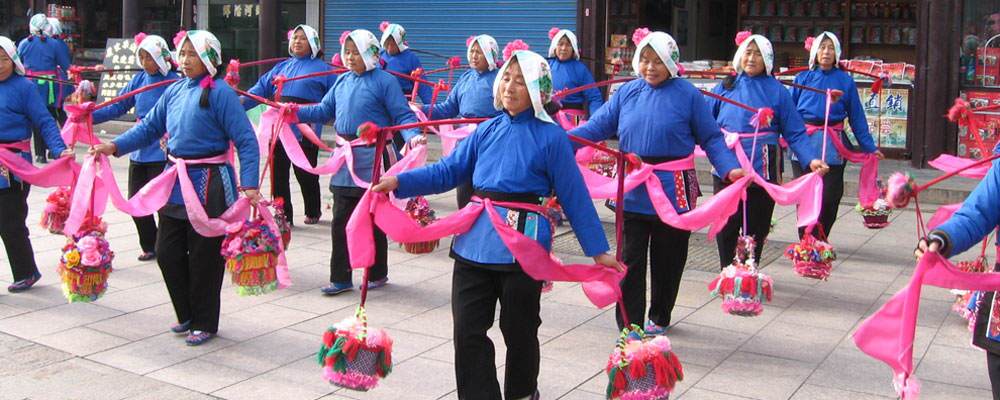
(642, 367)
(355, 356)
(56, 210)
(743, 288)
(812, 258)
(966, 301)
(876, 216)
(418, 209)
(251, 252)
(86, 264)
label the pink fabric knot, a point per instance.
(639, 34)
(178, 37)
(469, 40)
(139, 37)
(762, 118)
(383, 26)
(900, 189)
(233, 72)
(207, 82)
(742, 36)
(343, 37)
(454, 62)
(553, 31)
(513, 46)
(368, 132)
(809, 43)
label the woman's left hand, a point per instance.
(253, 195)
(879, 155)
(418, 140)
(819, 166)
(609, 261)
(68, 153)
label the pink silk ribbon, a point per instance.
(949, 163)
(97, 183)
(450, 134)
(61, 172)
(868, 190)
(565, 118)
(599, 283)
(79, 126)
(713, 213)
(887, 335)
(341, 155)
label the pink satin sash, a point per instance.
(868, 190)
(79, 126)
(61, 172)
(887, 335)
(450, 135)
(566, 118)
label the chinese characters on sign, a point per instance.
(886, 114)
(989, 126)
(241, 10)
(119, 54)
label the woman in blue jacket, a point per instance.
(568, 73)
(153, 55)
(46, 58)
(21, 110)
(397, 57)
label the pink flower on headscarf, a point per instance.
(383, 26)
(291, 32)
(335, 60)
(513, 46)
(139, 37)
(742, 36)
(343, 37)
(809, 43)
(468, 42)
(207, 82)
(639, 34)
(178, 37)
(553, 32)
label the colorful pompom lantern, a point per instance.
(355, 356)
(743, 288)
(86, 264)
(642, 367)
(251, 251)
(420, 211)
(966, 301)
(604, 164)
(56, 210)
(284, 227)
(811, 257)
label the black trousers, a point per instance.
(760, 208)
(474, 295)
(308, 183)
(993, 365)
(340, 261)
(667, 248)
(464, 193)
(14, 232)
(40, 146)
(833, 191)
(139, 174)
(193, 270)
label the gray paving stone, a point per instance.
(813, 392)
(200, 375)
(797, 342)
(757, 376)
(82, 341)
(156, 352)
(265, 353)
(704, 346)
(297, 380)
(55, 319)
(952, 365)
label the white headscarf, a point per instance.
(665, 47)
(538, 78)
(10, 48)
(558, 36)
(367, 45)
(312, 36)
(207, 46)
(38, 24)
(54, 28)
(157, 48)
(489, 46)
(814, 49)
(396, 32)
(766, 51)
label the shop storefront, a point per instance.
(979, 75)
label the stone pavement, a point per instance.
(800, 348)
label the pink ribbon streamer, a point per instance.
(341, 155)
(600, 284)
(888, 334)
(868, 190)
(450, 134)
(97, 183)
(79, 126)
(713, 213)
(949, 163)
(61, 172)
(565, 118)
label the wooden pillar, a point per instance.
(131, 18)
(187, 15)
(592, 35)
(267, 45)
(936, 83)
